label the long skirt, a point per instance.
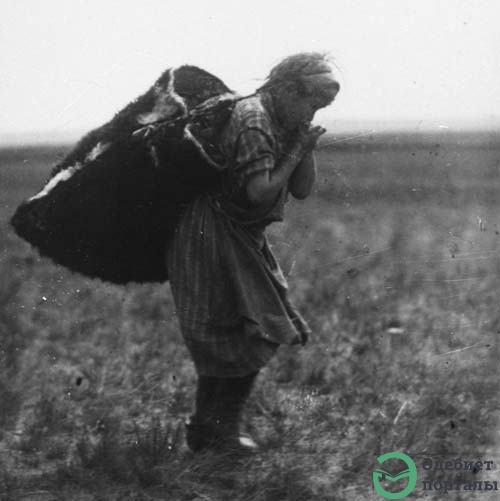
(230, 293)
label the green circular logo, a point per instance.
(410, 472)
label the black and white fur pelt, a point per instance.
(110, 207)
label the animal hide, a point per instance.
(110, 207)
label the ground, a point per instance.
(395, 263)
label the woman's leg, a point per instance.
(219, 404)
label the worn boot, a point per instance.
(199, 427)
(215, 425)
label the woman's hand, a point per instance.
(308, 137)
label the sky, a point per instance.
(68, 66)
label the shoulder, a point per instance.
(250, 113)
(250, 123)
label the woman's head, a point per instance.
(300, 85)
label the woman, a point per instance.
(230, 294)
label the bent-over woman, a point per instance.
(230, 293)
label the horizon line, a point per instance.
(338, 126)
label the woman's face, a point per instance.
(295, 110)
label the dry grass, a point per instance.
(395, 264)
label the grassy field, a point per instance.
(395, 263)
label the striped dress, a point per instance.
(230, 293)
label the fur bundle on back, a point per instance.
(110, 207)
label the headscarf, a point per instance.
(311, 70)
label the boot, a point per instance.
(199, 427)
(215, 425)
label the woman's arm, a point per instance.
(303, 177)
(263, 187)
